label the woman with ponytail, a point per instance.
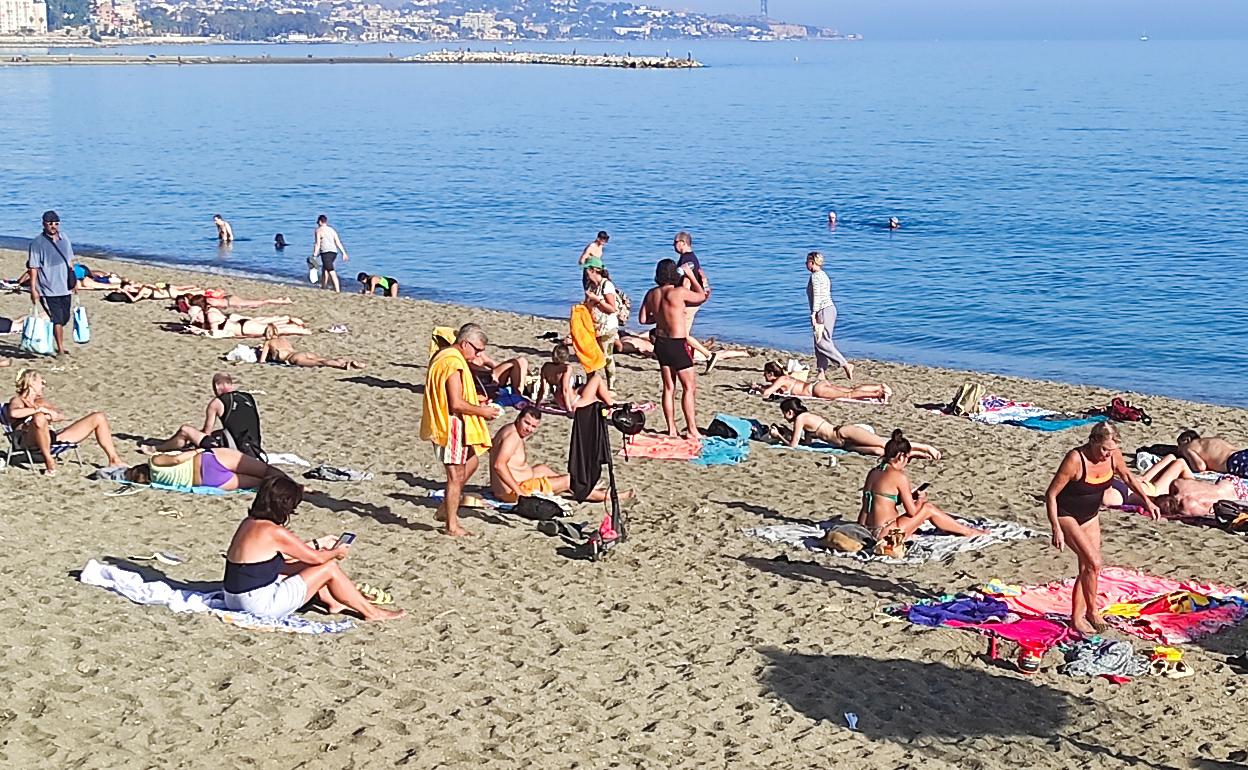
(888, 501)
(809, 427)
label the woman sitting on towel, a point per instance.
(32, 416)
(889, 503)
(1073, 501)
(779, 383)
(278, 349)
(271, 573)
(222, 468)
(808, 427)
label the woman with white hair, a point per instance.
(823, 318)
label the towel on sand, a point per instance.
(659, 447)
(130, 585)
(926, 545)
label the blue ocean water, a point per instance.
(1072, 210)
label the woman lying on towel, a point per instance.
(278, 349)
(221, 468)
(271, 573)
(208, 321)
(134, 291)
(222, 301)
(888, 502)
(809, 427)
(1176, 492)
(779, 383)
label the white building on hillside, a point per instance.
(23, 17)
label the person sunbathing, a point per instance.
(222, 301)
(210, 322)
(1171, 485)
(277, 348)
(779, 383)
(511, 476)
(808, 427)
(271, 573)
(220, 468)
(134, 292)
(32, 416)
(888, 501)
(1212, 454)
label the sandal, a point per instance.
(375, 595)
(1178, 670)
(1159, 667)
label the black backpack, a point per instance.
(538, 509)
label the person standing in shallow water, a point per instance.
(1073, 501)
(823, 318)
(328, 247)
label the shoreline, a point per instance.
(443, 56)
(9, 243)
(512, 651)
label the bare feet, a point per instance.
(335, 608)
(146, 449)
(1097, 622)
(628, 495)
(377, 614)
(456, 531)
(356, 364)
(49, 471)
(1082, 628)
(5, 362)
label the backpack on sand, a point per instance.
(967, 400)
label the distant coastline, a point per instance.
(626, 61)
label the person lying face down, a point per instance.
(779, 383)
(808, 427)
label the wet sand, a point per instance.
(691, 646)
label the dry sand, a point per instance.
(692, 646)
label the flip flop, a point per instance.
(1178, 670)
(375, 595)
(124, 491)
(164, 557)
(1159, 667)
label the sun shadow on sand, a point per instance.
(464, 511)
(412, 480)
(906, 699)
(380, 514)
(150, 574)
(378, 382)
(763, 511)
(1231, 641)
(813, 572)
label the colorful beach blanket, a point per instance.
(927, 545)
(658, 447)
(132, 586)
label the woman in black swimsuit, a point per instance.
(1074, 500)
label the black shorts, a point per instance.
(327, 260)
(58, 309)
(673, 353)
(215, 440)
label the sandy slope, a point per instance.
(691, 647)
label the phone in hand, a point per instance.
(346, 538)
(919, 490)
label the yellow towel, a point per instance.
(585, 339)
(436, 416)
(442, 337)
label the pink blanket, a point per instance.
(1035, 631)
(661, 447)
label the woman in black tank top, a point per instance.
(1073, 501)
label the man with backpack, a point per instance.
(240, 423)
(52, 279)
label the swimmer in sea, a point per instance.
(894, 223)
(225, 233)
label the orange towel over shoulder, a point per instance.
(585, 339)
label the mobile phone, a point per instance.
(920, 488)
(346, 538)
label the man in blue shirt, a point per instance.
(50, 261)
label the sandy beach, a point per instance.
(691, 646)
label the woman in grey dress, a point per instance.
(823, 318)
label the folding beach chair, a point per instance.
(18, 445)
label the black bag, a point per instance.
(720, 429)
(72, 279)
(1231, 515)
(538, 509)
(629, 421)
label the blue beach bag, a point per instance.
(37, 335)
(82, 327)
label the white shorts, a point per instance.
(276, 600)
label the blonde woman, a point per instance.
(31, 415)
(823, 318)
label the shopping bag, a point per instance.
(37, 335)
(82, 327)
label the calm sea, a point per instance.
(1074, 211)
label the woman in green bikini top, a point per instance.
(888, 501)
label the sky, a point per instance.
(1003, 19)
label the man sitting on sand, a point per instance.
(665, 306)
(1212, 454)
(453, 419)
(240, 423)
(511, 476)
(277, 348)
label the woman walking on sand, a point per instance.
(823, 318)
(1073, 501)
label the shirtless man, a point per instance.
(225, 233)
(511, 476)
(1212, 454)
(665, 306)
(594, 249)
(1176, 492)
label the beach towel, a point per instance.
(325, 472)
(440, 337)
(988, 616)
(286, 458)
(131, 585)
(657, 447)
(1131, 602)
(927, 544)
(585, 339)
(435, 418)
(1011, 414)
(1056, 422)
(727, 450)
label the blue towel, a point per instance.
(211, 491)
(722, 451)
(964, 609)
(1056, 422)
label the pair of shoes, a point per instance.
(375, 595)
(1170, 669)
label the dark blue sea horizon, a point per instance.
(1075, 211)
